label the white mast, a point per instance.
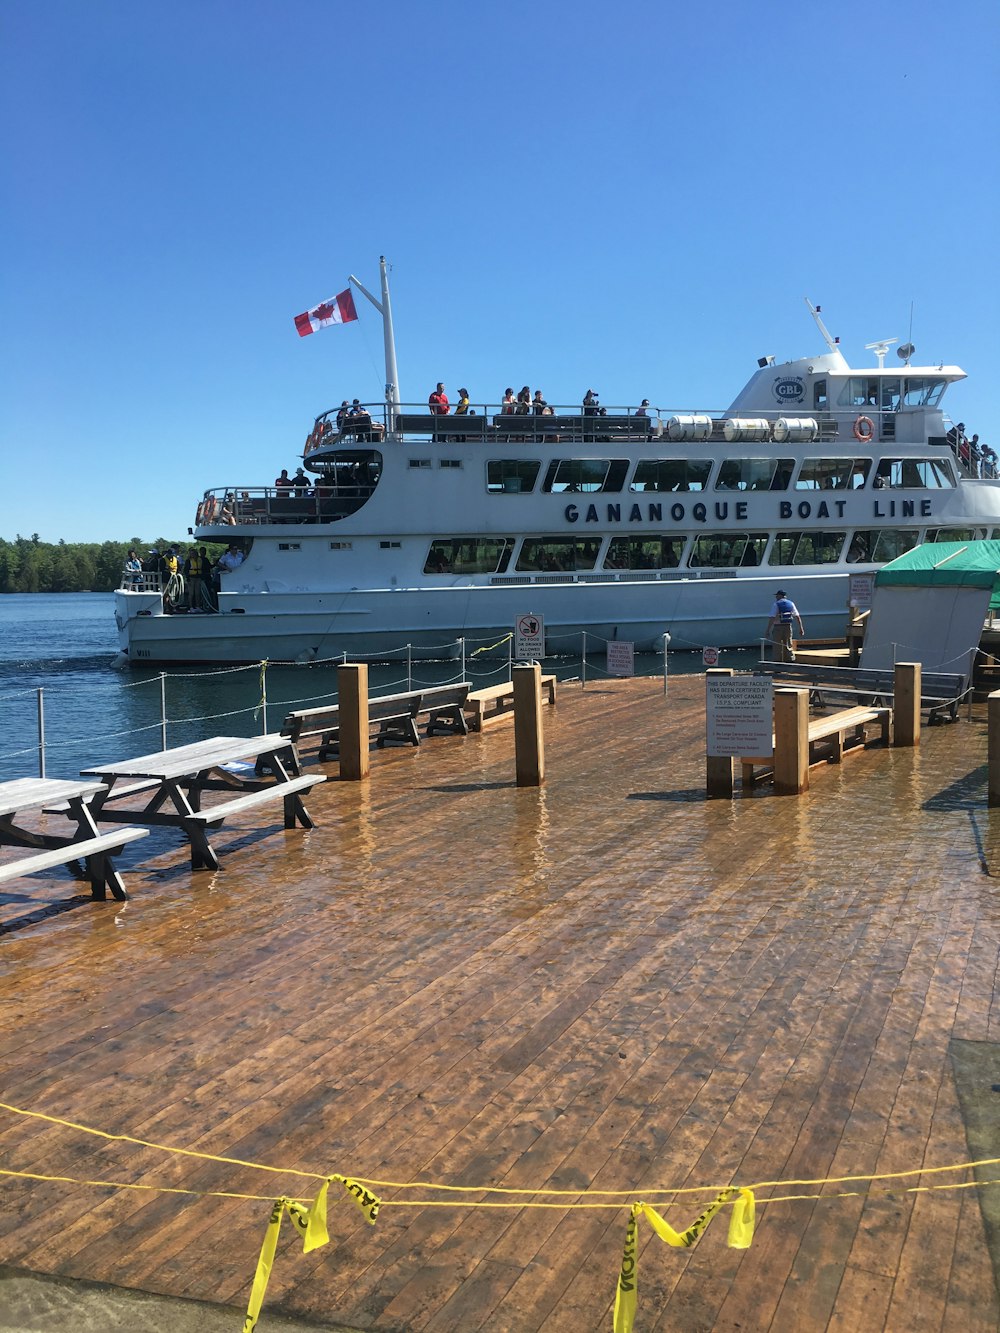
(814, 311)
(385, 310)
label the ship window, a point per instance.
(341, 546)
(420, 462)
(389, 546)
(585, 474)
(511, 476)
(550, 555)
(878, 545)
(806, 548)
(819, 396)
(289, 546)
(644, 553)
(832, 474)
(727, 550)
(923, 393)
(469, 555)
(449, 462)
(913, 474)
(955, 534)
(671, 474)
(859, 392)
(889, 401)
(754, 474)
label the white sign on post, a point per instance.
(621, 658)
(861, 587)
(739, 716)
(529, 638)
(710, 657)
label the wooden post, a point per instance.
(718, 768)
(791, 742)
(993, 746)
(529, 742)
(352, 692)
(906, 704)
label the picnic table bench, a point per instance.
(940, 692)
(829, 738)
(491, 705)
(396, 716)
(179, 777)
(86, 846)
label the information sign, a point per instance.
(710, 657)
(529, 638)
(861, 588)
(621, 658)
(739, 716)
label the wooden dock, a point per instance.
(608, 983)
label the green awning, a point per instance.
(946, 564)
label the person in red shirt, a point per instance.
(438, 401)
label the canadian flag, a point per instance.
(338, 310)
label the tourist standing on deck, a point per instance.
(779, 627)
(438, 401)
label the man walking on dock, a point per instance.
(779, 627)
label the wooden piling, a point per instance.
(529, 740)
(906, 704)
(791, 742)
(352, 691)
(718, 768)
(993, 747)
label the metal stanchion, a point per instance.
(666, 645)
(583, 668)
(409, 666)
(163, 710)
(41, 732)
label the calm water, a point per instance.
(64, 643)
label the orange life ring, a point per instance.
(864, 430)
(208, 508)
(198, 515)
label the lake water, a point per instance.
(64, 643)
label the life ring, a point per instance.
(864, 430)
(208, 508)
(199, 514)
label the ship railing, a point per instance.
(493, 423)
(323, 500)
(140, 580)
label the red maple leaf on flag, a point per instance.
(323, 311)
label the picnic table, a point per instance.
(174, 781)
(86, 844)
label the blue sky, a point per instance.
(633, 198)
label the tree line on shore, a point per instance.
(30, 565)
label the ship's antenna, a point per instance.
(824, 331)
(385, 310)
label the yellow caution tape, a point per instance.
(310, 1223)
(488, 647)
(741, 1225)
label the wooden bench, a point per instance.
(940, 692)
(214, 815)
(576, 427)
(396, 715)
(468, 426)
(445, 708)
(95, 851)
(830, 738)
(491, 705)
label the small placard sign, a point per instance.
(739, 716)
(861, 587)
(621, 658)
(529, 638)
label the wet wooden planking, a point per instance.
(609, 982)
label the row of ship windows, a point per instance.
(518, 476)
(709, 550)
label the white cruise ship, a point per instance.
(418, 529)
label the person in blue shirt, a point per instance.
(779, 628)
